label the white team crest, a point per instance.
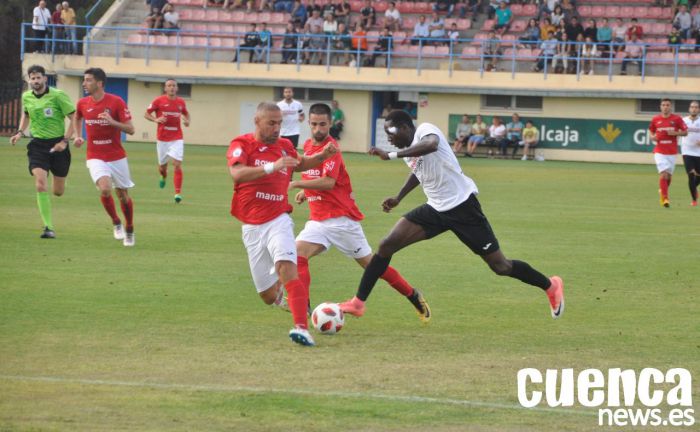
(237, 152)
(48, 112)
(329, 165)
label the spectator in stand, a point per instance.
(299, 13)
(312, 6)
(546, 28)
(562, 53)
(462, 134)
(154, 20)
(479, 132)
(696, 29)
(317, 45)
(468, 5)
(497, 136)
(561, 29)
(71, 35)
(491, 50)
(250, 40)
(444, 6)
(531, 35)
(383, 47)
(557, 15)
(421, 30)
(514, 132)
(359, 42)
(264, 42)
(547, 50)
(504, 17)
(328, 8)
(634, 53)
(531, 136)
(342, 12)
(589, 52)
(263, 5)
(57, 30)
(289, 44)
(170, 17)
(368, 15)
(674, 39)
(591, 31)
(546, 7)
(437, 29)
(636, 29)
(283, 6)
(453, 35)
(604, 36)
(493, 7)
(387, 109)
(330, 25)
(573, 29)
(619, 35)
(40, 27)
(569, 9)
(341, 43)
(392, 17)
(411, 110)
(683, 22)
(314, 21)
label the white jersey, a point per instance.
(443, 181)
(690, 144)
(290, 117)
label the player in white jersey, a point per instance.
(292, 116)
(452, 206)
(690, 148)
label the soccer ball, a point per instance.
(327, 318)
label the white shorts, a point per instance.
(173, 149)
(665, 162)
(266, 244)
(342, 232)
(117, 170)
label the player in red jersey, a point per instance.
(334, 216)
(106, 116)
(261, 165)
(665, 128)
(169, 111)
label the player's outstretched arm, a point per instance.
(408, 186)
(242, 173)
(428, 144)
(308, 162)
(321, 183)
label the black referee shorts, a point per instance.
(466, 220)
(39, 155)
(692, 163)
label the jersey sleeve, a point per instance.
(331, 166)
(65, 103)
(424, 130)
(153, 106)
(184, 109)
(652, 126)
(682, 126)
(123, 113)
(236, 153)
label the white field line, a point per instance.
(303, 392)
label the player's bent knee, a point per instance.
(501, 268)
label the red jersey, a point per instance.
(103, 141)
(261, 200)
(172, 110)
(660, 125)
(337, 202)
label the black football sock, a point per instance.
(376, 267)
(522, 271)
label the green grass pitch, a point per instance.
(171, 336)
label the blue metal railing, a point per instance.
(417, 53)
(92, 10)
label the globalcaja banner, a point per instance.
(581, 134)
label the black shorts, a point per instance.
(466, 220)
(691, 163)
(294, 139)
(39, 155)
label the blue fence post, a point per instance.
(512, 66)
(420, 54)
(21, 47)
(328, 53)
(207, 51)
(675, 63)
(119, 32)
(178, 40)
(388, 56)
(86, 45)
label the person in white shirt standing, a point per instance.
(40, 25)
(690, 148)
(452, 206)
(292, 116)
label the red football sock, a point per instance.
(669, 180)
(394, 278)
(108, 204)
(298, 302)
(663, 185)
(128, 210)
(303, 270)
(163, 170)
(177, 179)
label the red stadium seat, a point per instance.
(423, 8)
(488, 25)
(264, 17)
(185, 14)
(464, 24)
(518, 26)
(409, 23)
(199, 15)
(442, 51)
(516, 9)
(525, 53)
(584, 11)
(658, 28)
(211, 15)
(627, 12)
(529, 10)
(136, 39)
(599, 12)
(228, 43)
(187, 41)
(666, 13)
(640, 12)
(380, 7)
(251, 17)
(406, 7)
(470, 52)
(356, 5)
(215, 42)
(612, 12)
(399, 37)
(278, 18)
(238, 16)
(428, 51)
